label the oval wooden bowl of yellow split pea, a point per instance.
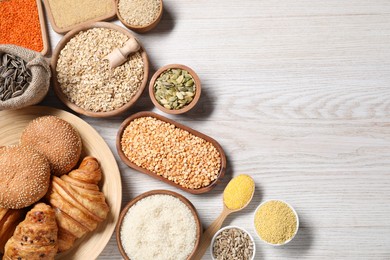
(176, 126)
(142, 196)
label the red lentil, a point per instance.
(19, 24)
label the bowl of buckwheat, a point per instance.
(85, 80)
(232, 242)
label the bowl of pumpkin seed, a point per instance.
(175, 89)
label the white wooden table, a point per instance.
(298, 95)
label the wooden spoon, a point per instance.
(119, 55)
(214, 227)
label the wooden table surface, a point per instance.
(297, 93)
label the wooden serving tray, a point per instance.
(58, 29)
(178, 125)
(45, 38)
(92, 244)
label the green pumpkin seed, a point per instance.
(174, 88)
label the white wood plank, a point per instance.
(297, 93)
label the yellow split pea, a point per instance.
(238, 192)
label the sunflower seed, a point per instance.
(14, 76)
(7, 73)
(17, 93)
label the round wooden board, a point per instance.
(89, 247)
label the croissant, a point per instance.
(78, 203)
(35, 237)
(9, 219)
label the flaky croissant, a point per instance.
(35, 237)
(9, 219)
(79, 204)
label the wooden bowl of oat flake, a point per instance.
(83, 79)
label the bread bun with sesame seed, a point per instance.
(55, 138)
(24, 176)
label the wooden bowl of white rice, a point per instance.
(158, 225)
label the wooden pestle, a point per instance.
(120, 55)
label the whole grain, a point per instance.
(171, 152)
(67, 13)
(159, 227)
(275, 222)
(139, 12)
(85, 77)
(238, 192)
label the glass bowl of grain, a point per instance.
(232, 241)
(141, 15)
(175, 89)
(158, 224)
(83, 77)
(276, 222)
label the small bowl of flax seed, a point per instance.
(139, 15)
(83, 78)
(233, 242)
(175, 89)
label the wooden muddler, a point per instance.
(120, 55)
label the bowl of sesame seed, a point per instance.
(83, 79)
(139, 15)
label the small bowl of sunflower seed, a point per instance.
(232, 242)
(175, 89)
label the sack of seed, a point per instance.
(24, 77)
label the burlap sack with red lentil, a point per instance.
(36, 90)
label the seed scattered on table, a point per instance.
(171, 152)
(14, 76)
(86, 78)
(233, 244)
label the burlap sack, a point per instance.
(40, 82)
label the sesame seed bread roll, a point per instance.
(24, 176)
(57, 140)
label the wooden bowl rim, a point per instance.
(140, 28)
(198, 89)
(42, 24)
(151, 193)
(124, 159)
(63, 30)
(57, 89)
